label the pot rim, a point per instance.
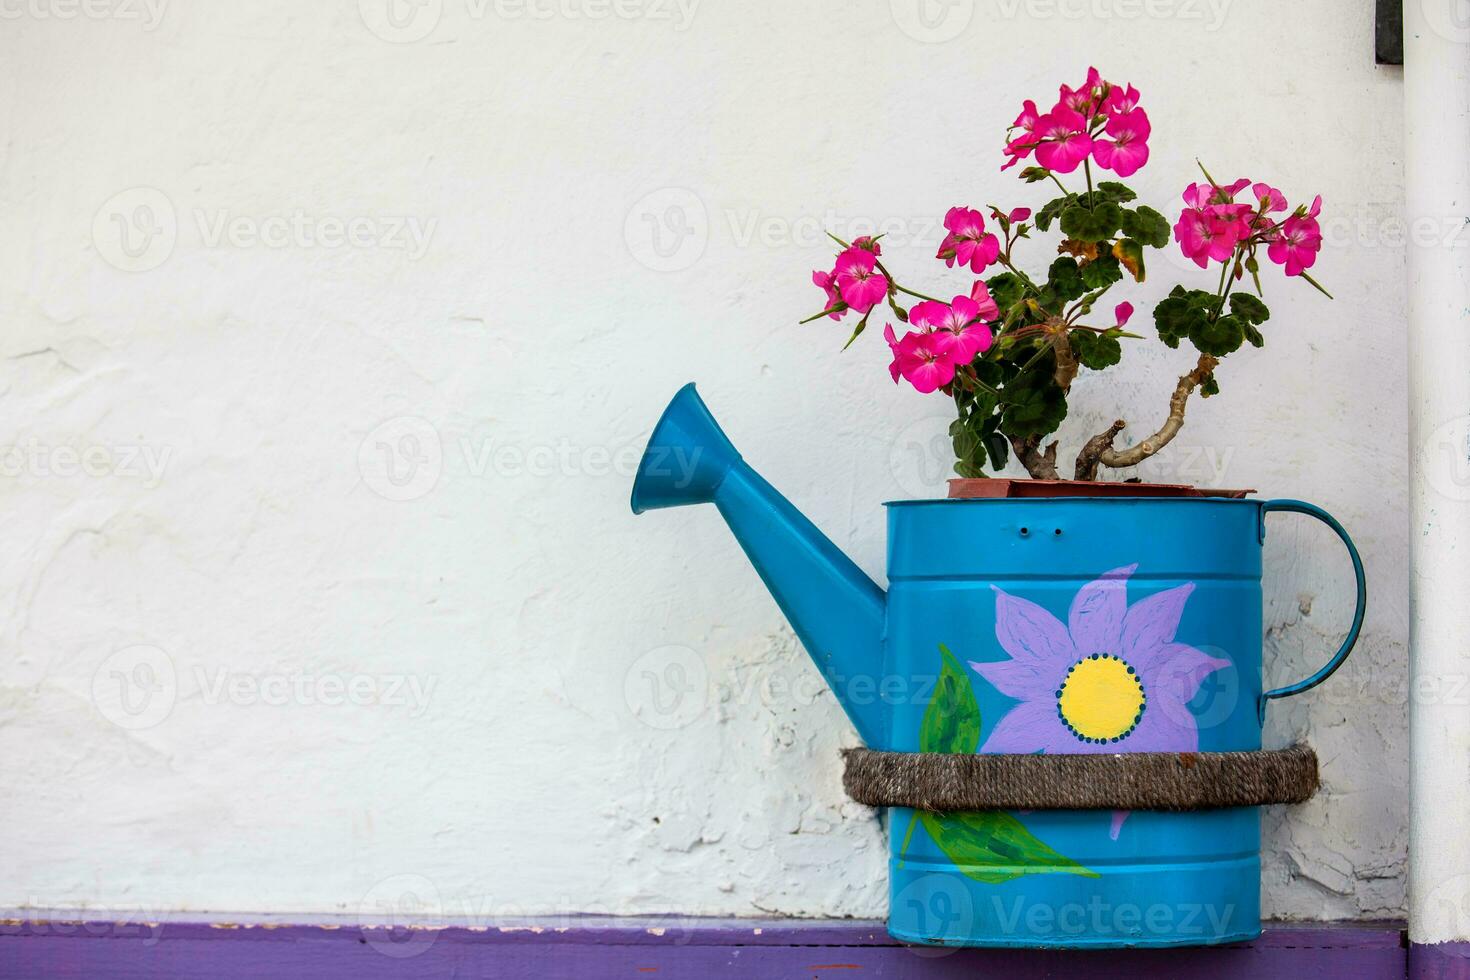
(1000, 490)
(991, 488)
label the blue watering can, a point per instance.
(1069, 625)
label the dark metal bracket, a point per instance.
(1388, 33)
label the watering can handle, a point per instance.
(1302, 507)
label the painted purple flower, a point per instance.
(1111, 679)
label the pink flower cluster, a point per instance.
(1097, 119)
(855, 282)
(949, 336)
(1213, 225)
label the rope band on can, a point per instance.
(1125, 781)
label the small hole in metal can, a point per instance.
(1025, 531)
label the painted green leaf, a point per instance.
(952, 720)
(994, 840)
(993, 846)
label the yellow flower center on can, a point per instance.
(1101, 699)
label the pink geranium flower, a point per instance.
(927, 316)
(1127, 151)
(1064, 140)
(1088, 97)
(1213, 224)
(893, 348)
(828, 282)
(1134, 679)
(1019, 148)
(1204, 237)
(1268, 201)
(1122, 312)
(980, 293)
(960, 332)
(858, 281)
(922, 359)
(1121, 100)
(1078, 100)
(869, 243)
(967, 242)
(1297, 243)
(1018, 215)
(1268, 198)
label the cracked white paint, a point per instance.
(535, 341)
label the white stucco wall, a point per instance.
(244, 667)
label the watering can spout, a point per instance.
(838, 613)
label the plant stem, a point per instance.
(970, 369)
(1227, 282)
(1005, 260)
(817, 316)
(905, 289)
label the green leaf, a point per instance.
(1006, 289)
(1249, 309)
(1050, 210)
(1184, 313)
(1210, 387)
(1254, 336)
(998, 449)
(1094, 350)
(952, 721)
(1101, 271)
(1130, 253)
(963, 438)
(1173, 319)
(1065, 279)
(1035, 406)
(1146, 225)
(1217, 337)
(969, 450)
(994, 846)
(1095, 225)
(1115, 192)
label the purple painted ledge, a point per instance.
(1439, 961)
(657, 949)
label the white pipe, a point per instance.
(1437, 172)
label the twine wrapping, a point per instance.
(1126, 781)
